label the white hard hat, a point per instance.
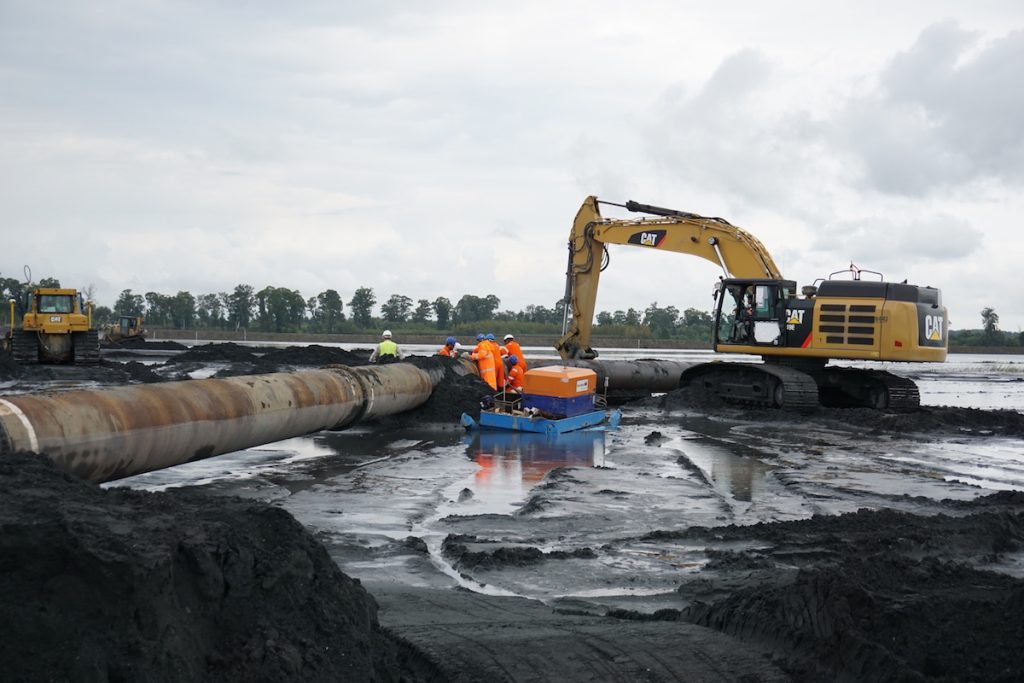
(386, 334)
(508, 336)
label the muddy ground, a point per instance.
(698, 542)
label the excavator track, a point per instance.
(87, 347)
(24, 347)
(768, 386)
(877, 389)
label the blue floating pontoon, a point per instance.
(523, 423)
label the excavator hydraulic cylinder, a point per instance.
(100, 435)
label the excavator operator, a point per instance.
(744, 314)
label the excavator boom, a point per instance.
(737, 252)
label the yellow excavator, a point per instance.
(56, 328)
(759, 312)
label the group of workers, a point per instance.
(502, 367)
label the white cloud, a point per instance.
(443, 149)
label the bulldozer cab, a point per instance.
(54, 303)
(129, 324)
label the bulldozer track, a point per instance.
(87, 348)
(24, 347)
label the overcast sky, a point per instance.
(442, 148)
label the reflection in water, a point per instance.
(511, 463)
(736, 474)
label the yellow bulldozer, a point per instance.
(128, 327)
(55, 328)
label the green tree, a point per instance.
(102, 316)
(240, 304)
(989, 323)
(182, 309)
(129, 304)
(472, 308)
(423, 311)
(12, 288)
(51, 282)
(397, 308)
(329, 310)
(361, 306)
(662, 321)
(696, 325)
(443, 311)
(158, 309)
(210, 310)
(280, 309)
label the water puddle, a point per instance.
(510, 464)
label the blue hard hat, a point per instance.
(490, 337)
(513, 359)
(450, 341)
(480, 337)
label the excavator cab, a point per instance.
(752, 311)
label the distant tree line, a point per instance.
(988, 335)
(279, 309)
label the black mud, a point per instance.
(874, 595)
(127, 585)
(927, 419)
(470, 552)
(139, 344)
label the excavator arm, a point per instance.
(737, 252)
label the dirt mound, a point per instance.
(209, 353)
(127, 585)
(138, 343)
(259, 360)
(470, 552)
(8, 368)
(876, 595)
(457, 392)
(135, 371)
(315, 356)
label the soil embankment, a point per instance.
(126, 585)
(872, 595)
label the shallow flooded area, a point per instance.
(684, 528)
(594, 498)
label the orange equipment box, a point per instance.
(559, 381)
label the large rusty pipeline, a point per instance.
(100, 435)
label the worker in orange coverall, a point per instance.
(484, 361)
(512, 348)
(514, 381)
(449, 348)
(499, 364)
